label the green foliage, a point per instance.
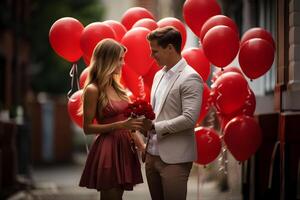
(50, 73)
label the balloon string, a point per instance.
(219, 95)
(211, 118)
(75, 87)
(223, 160)
(77, 79)
(74, 79)
(210, 123)
(247, 102)
(71, 73)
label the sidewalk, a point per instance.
(60, 183)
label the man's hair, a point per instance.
(166, 35)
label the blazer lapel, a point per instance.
(170, 85)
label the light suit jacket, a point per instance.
(177, 114)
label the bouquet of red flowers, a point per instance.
(140, 108)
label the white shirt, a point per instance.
(157, 100)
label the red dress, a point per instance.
(112, 161)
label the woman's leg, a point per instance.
(111, 194)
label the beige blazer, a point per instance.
(177, 114)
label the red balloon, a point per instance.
(148, 78)
(118, 28)
(83, 76)
(138, 56)
(92, 34)
(64, 36)
(171, 21)
(196, 58)
(249, 106)
(86, 60)
(224, 70)
(133, 15)
(242, 136)
(74, 104)
(230, 92)
(256, 57)
(206, 103)
(146, 23)
(196, 12)
(215, 21)
(221, 45)
(135, 83)
(208, 145)
(247, 109)
(258, 33)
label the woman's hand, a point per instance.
(133, 124)
(142, 148)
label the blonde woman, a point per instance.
(112, 165)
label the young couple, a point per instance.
(112, 165)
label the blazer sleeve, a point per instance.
(191, 99)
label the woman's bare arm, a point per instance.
(90, 111)
(138, 140)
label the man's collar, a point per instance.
(176, 66)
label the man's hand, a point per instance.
(147, 124)
(144, 132)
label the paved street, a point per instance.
(60, 183)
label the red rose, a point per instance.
(140, 108)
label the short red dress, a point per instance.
(112, 161)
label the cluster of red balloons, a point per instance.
(220, 40)
(72, 41)
(231, 96)
(235, 104)
(220, 45)
(219, 36)
(242, 137)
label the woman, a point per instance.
(112, 165)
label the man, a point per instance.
(176, 97)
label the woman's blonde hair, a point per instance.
(103, 65)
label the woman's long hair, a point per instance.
(103, 65)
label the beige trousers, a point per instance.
(167, 181)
